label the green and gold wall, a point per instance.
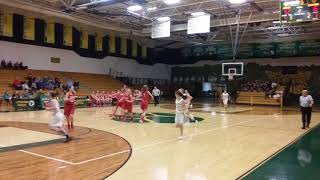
(32, 30)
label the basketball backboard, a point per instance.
(232, 69)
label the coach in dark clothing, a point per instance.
(306, 103)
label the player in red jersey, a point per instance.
(146, 96)
(70, 107)
(129, 103)
(120, 100)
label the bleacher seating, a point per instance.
(88, 82)
(299, 81)
(256, 98)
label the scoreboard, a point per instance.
(299, 10)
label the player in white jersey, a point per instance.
(180, 116)
(57, 121)
(225, 99)
(188, 98)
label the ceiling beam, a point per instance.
(262, 17)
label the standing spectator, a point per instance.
(3, 64)
(156, 95)
(22, 67)
(16, 66)
(306, 103)
(10, 65)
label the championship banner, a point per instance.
(29, 28)
(134, 49)
(123, 46)
(67, 32)
(112, 44)
(84, 40)
(24, 104)
(8, 25)
(99, 42)
(144, 52)
(49, 33)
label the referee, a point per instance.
(306, 103)
(156, 95)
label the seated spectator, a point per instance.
(10, 65)
(26, 94)
(7, 98)
(58, 82)
(76, 84)
(30, 77)
(17, 84)
(69, 83)
(3, 64)
(25, 86)
(274, 84)
(16, 95)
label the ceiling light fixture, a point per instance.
(134, 8)
(200, 13)
(237, 1)
(163, 19)
(170, 2)
(152, 9)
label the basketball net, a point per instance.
(230, 76)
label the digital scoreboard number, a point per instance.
(301, 10)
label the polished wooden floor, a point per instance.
(224, 146)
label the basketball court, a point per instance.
(237, 143)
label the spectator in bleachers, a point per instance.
(22, 67)
(58, 82)
(16, 66)
(6, 98)
(17, 84)
(26, 94)
(16, 95)
(34, 85)
(69, 83)
(25, 86)
(274, 84)
(256, 86)
(3, 64)
(76, 84)
(10, 65)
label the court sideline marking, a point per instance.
(161, 142)
(47, 157)
(39, 155)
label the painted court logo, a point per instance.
(31, 103)
(154, 117)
